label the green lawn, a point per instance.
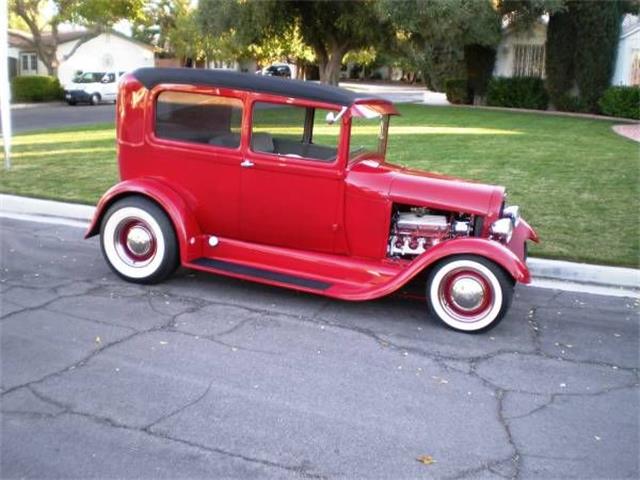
(577, 182)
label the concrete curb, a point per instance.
(21, 106)
(541, 269)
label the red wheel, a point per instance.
(469, 293)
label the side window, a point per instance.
(294, 131)
(199, 118)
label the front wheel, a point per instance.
(469, 293)
(95, 99)
(138, 241)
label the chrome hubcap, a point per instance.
(467, 293)
(139, 240)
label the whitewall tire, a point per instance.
(469, 293)
(138, 240)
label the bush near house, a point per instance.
(457, 91)
(621, 102)
(35, 89)
(517, 92)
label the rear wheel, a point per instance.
(95, 99)
(138, 241)
(469, 293)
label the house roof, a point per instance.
(21, 39)
(630, 24)
(150, 77)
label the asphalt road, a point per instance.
(62, 115)
(208, 377)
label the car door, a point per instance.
(108, 90)
(196, 137)
(291, 188)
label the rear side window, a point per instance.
(199, 118)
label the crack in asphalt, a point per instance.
(302, 470)
(515, 459)
(488, 466)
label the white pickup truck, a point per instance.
(93, 88)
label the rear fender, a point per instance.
(184, 222)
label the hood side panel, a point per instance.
(444, 193)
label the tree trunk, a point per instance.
(330, 64)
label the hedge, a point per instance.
(621, 102)
(457, 91)
(35, 88)
(517, 92)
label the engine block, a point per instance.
(412, 232)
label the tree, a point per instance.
(597, 35)
(559, 65)
(331, 29)
(582, 40)
(159, 18)
(96, 15)
(439, 30)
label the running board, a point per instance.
(261, 273)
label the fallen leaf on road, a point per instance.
(426, 459)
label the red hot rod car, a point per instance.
(286, 183)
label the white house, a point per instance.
(109, 51)
(627, 70)
(522, 54)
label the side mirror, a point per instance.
(333, 118)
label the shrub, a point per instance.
(569, 103)
(621, 102)
(457, 91)
(479, 61)
(517, 92)
(35, 89)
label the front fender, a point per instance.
(184, 222)
(490, 249)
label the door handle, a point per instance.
(246, 163)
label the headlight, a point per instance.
(513, 213)
(502, 229)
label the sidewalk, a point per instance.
(570, 276)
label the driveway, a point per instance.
(62, 115)
(209, 377)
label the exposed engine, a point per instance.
(415, 230)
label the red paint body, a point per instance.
(323, 221)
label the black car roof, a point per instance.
(150, 77)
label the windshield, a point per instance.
(89, 77)
(368, 135)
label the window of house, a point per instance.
(28, 63)
(199, 118)
(529, 61)
(294, 131)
